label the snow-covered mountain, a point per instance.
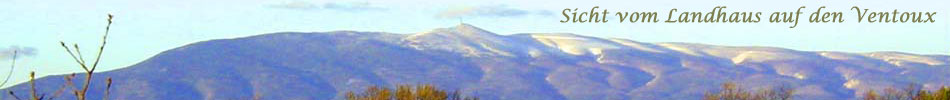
(530, 66)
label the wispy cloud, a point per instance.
(7, 53)
(346, 6)
(489, 11)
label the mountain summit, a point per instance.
(463, 38)
(530, 66)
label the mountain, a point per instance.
(530, 66)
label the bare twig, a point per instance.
(98, 57)
(69, 84)
(14, 95)
(76, 46)
(81, 64)
(33, 86)
(90, 70)
(76, 93)
(108, 86)
(11, 69)
(103, 46)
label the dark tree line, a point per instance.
(406, 92)
(911, 92)
(733, 91)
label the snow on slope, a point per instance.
(464, 38)
(535, 66)
(474, 41)
(574, 44)
(785, 62)
(901, 59)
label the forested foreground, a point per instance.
(407, 92)
(728, 91)
(731, 91)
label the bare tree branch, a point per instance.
(76, 46)
(81, 64)
(11, 69)
(14, 95)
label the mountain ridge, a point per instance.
(532, 66)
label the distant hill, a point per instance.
(532, 66)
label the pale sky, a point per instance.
(144, 28)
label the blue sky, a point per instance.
(147, 27)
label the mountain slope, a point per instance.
(531, 66)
